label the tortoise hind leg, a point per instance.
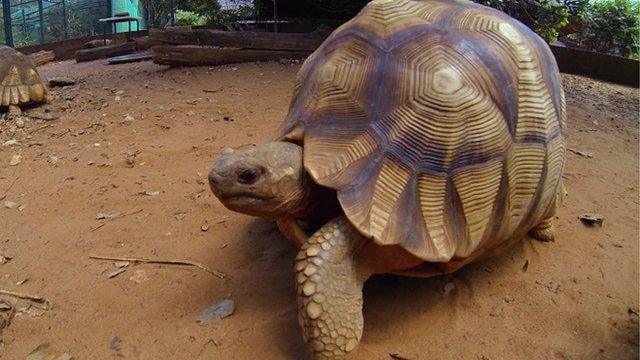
(329, 283)
(544, 230)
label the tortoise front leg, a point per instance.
(13, 112)
(329, 286)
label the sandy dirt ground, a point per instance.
(577, 298)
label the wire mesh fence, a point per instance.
(28, 22)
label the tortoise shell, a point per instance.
(20, 82)
(440, 124)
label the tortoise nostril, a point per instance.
(248, 176)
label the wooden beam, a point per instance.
(193, 55)
(105, 51)
(240, 39)
(42, 57)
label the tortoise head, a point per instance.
(266, 180)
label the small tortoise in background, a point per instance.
(439, 127)
(20, 82)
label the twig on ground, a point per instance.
(34, 298)
(217, 273)
(39, 128)
(113, 218)
(9, 188)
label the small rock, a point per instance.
(20, 122)
(129, 118)
(180, 215)
(10, 204)
(52, 159)
(220, 310)
(115, 273)
(204, 226)
(15, 160)
(121, 264)
(130, 156)
(115, 344)
(149, 193)
(5, 305)
(61, 81)
(591, 219)
(12, 142)
(102, 216)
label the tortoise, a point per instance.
(425, 134)
(20, 82)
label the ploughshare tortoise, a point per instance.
(422, 135)
(20, 82)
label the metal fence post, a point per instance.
(172, 15)
(64, 19)
(41, 15)
(275, 15)
(6, 15)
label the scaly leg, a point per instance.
(14, 112)
(329, 286)
(544, 231)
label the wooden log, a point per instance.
(240, 39)
(192, 55)
(97, 43)
(144, 43)
(42, 57)
(105, 51)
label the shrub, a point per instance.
(185, 17)
(545, 17)
(611, 26)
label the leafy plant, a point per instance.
(545, 17)
(230, 18)
(550, 17)
(185, 17)
(611, 26)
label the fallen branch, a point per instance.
(39, 128)
(6, 192)
(217, 273)
(34, 298)
(116, 217)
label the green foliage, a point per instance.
(611, 26)
(198, 12)
(549, 18)
(229, 18)
(545, 17)
(185, 17)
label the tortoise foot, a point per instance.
(543, 231)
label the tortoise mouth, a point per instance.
(242, 197)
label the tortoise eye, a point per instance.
(248, 176)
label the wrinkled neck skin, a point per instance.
(268, 181)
